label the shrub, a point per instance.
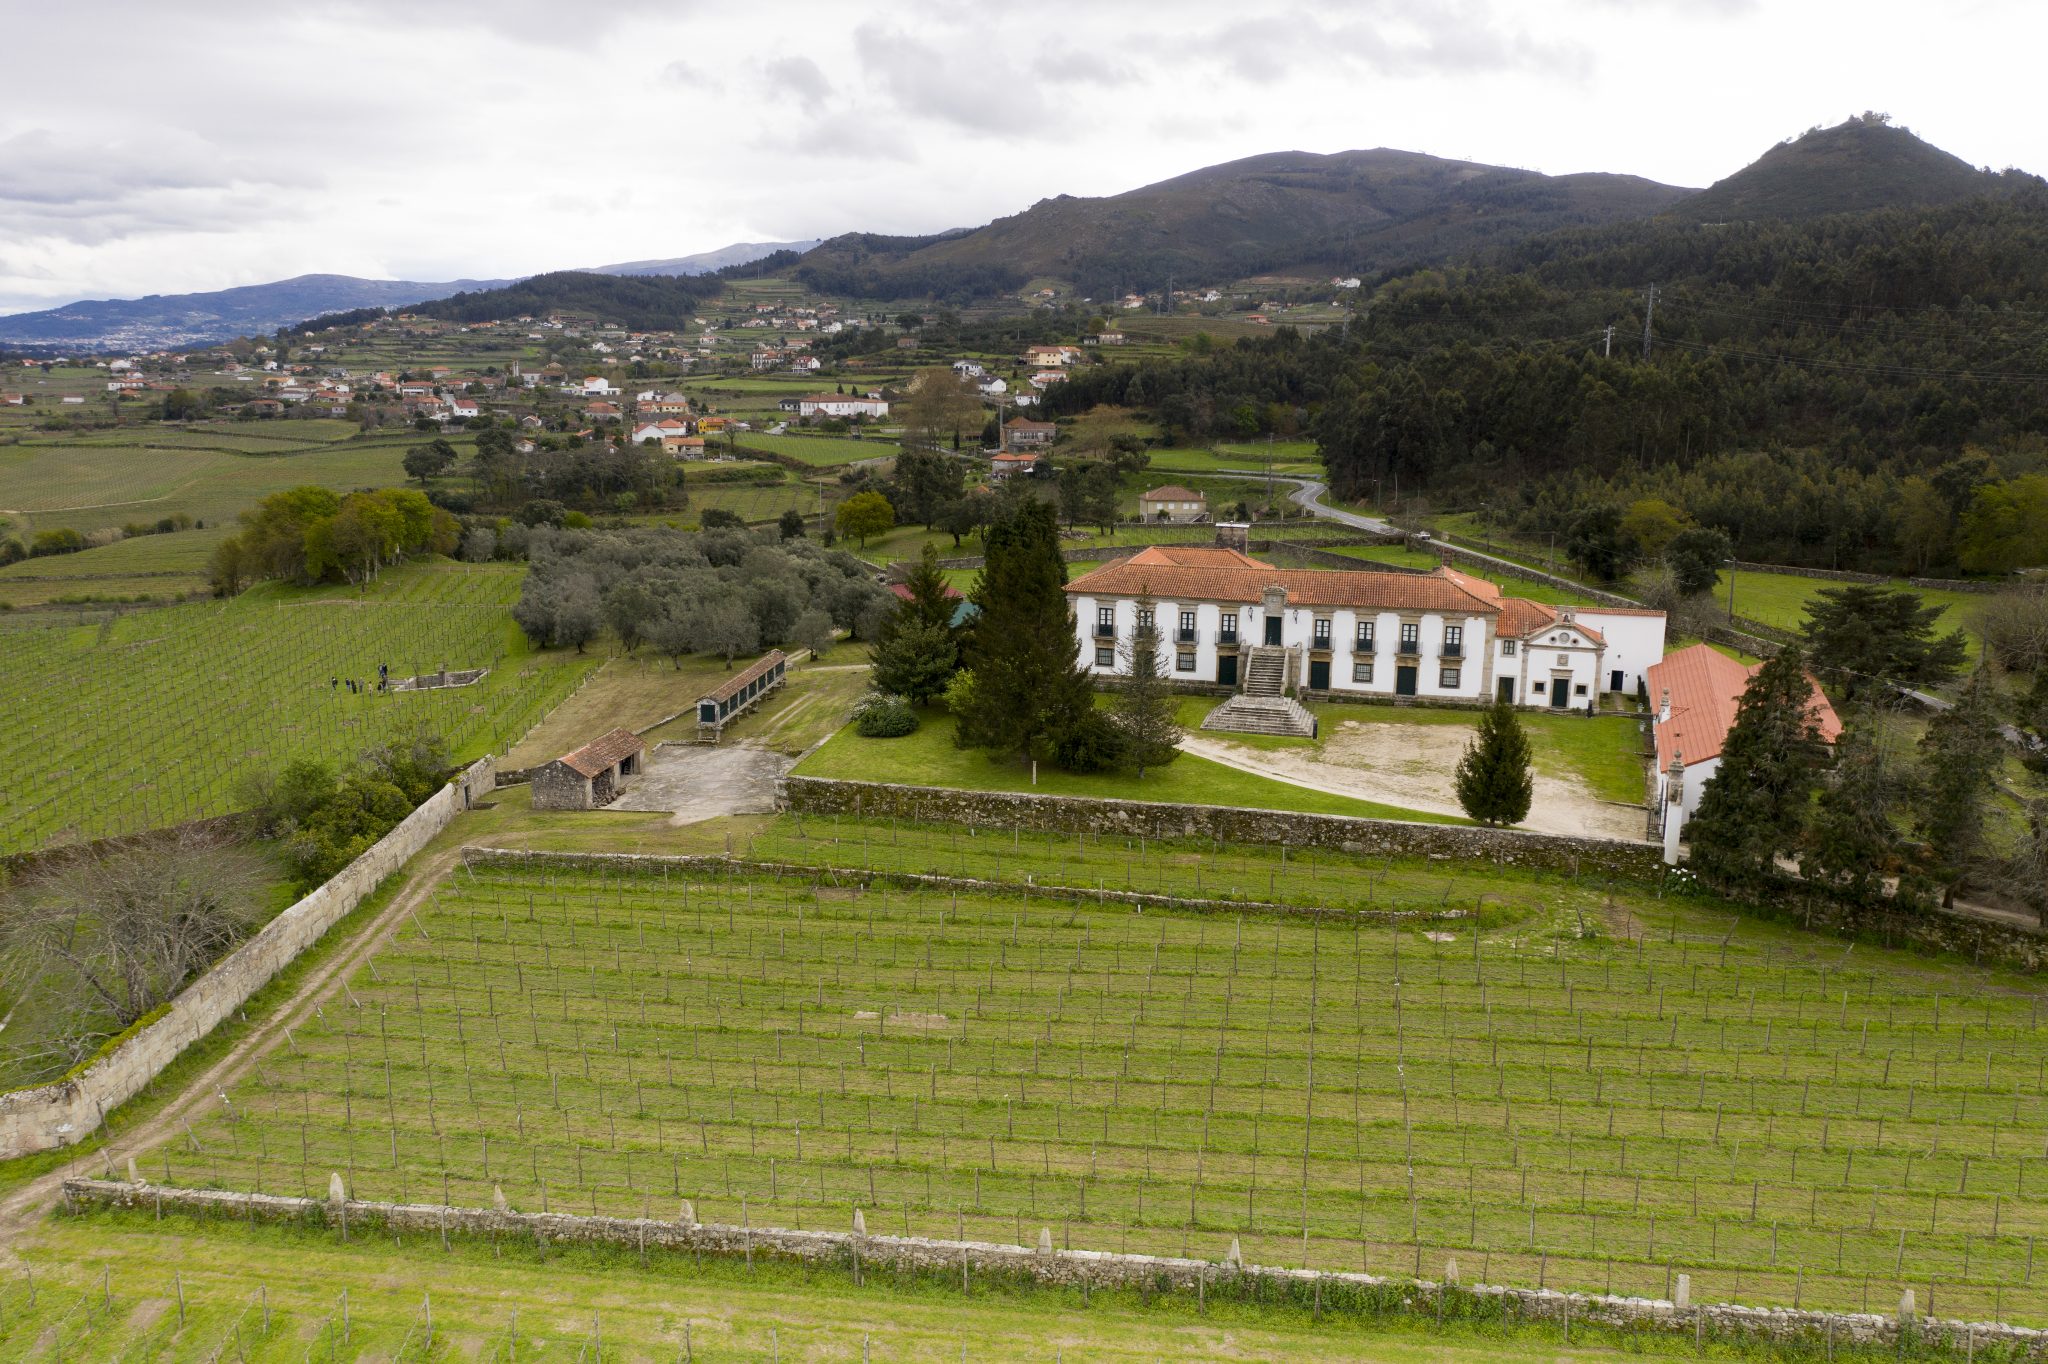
(881, 716)
(49, 542)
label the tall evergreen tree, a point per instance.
(1029, 686)
(1852, 843)
(1143, 708)
(1864, 632)
(1493, 778)
(1963, 750)
(1756, 804)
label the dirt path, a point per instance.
(1411, 766)
(22, 1208)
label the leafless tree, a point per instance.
(102, 939)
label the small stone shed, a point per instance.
(739, 693)
(592, 776)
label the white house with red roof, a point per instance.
(841, 405)
(1567, 657)
(1226, 618)
(1697, 691)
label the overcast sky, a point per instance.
(161, 148)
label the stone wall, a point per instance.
(66, 1111)
(1490, 564)
(1839, 575)
(649, 864)
(1076, 814)
(856, 1250)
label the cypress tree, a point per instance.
(1143, 708)
(1494, 784)
(1029, 687)
(1756, 805)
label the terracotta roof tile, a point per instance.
(1172, 492)
(1175, 576)
(602, 752)
(1706, 687)
(732, 686)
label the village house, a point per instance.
(841, 405)
(992, 387)
(1173, 503)
(1109, 338)
(1009, 465)
(653, 404)
(591, 777)
(13, 400)
(1022, 434)
(805, 364)
(659, 431)
(1050, 356)
(462, 409)
(1439, 635)
(1046, 378)
(602, 412)
(1697, 690)
(599, 387)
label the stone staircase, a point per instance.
(1265, 673)
(1247, 714)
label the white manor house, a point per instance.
(1271, 633)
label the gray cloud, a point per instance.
(927, 80)
(95, 190)
(800, 76)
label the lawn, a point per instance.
(1603, 752)
(930, 758)
(1587, 1087)
(1781, 599)
(156, 717)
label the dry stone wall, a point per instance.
(66, 1111)
(856, 1250)
(1154, 819)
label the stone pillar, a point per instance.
(1674, 808)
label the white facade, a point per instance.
(1425, 654)
(841, 405)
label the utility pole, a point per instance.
(1649, 310)
(1607, 345)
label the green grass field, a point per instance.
(822, 451)
(1604, 753)
(152, 718)
(930, 758)
(1584, 1087)
(1782, 599)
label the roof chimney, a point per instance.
(1664, 706)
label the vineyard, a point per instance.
(1564, 1086)
(153, 718)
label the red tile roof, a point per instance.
(1172, 492)
(732, 686)
(1706, 687)
(1205, 574)
(901, 590)
(602, 752)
